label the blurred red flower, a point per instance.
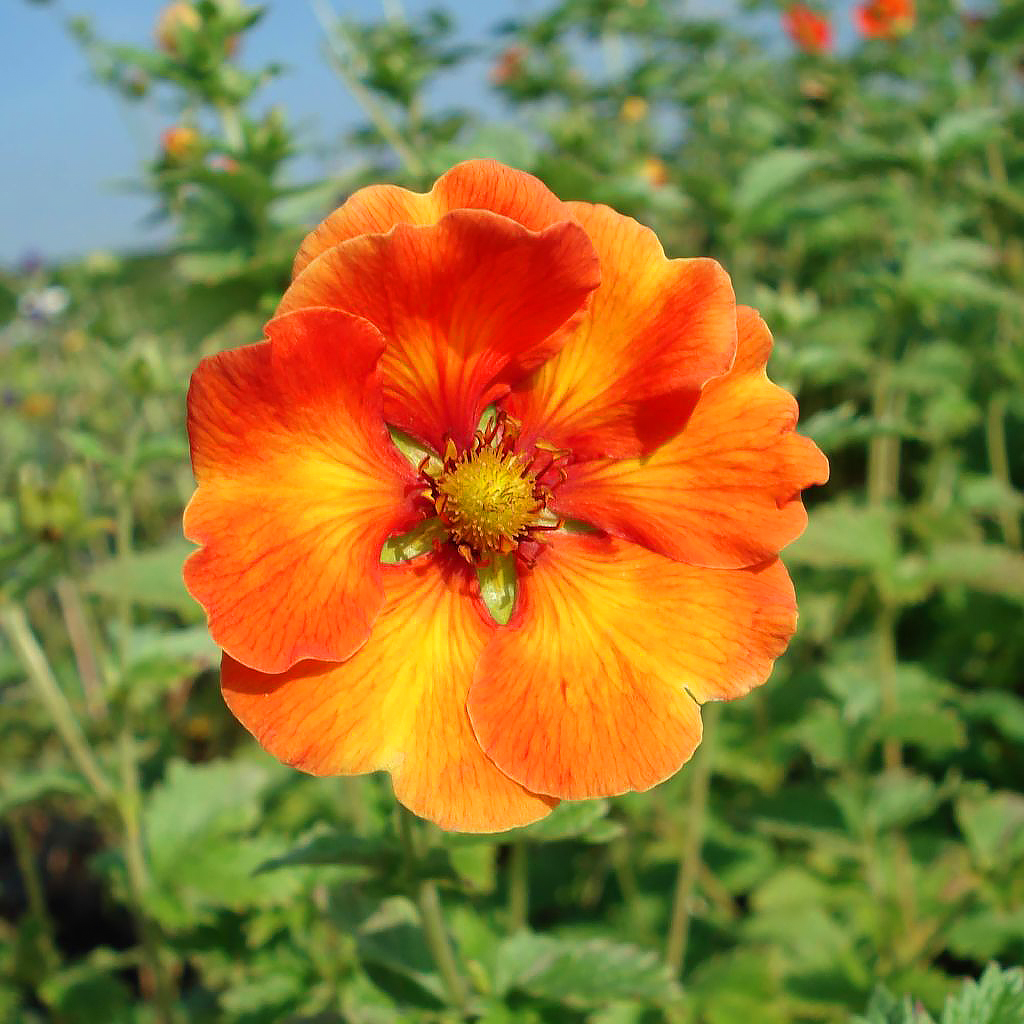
(885, 19)
(811, 31)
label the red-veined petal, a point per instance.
(299, 485)
(594, 687)
(473, 185)
(398, 704)
(466, 305)
(653, 334)
(725, 491)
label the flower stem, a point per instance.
(428, 902)
(19, 633)
(518, 886)
(690, 860)
(157, 978)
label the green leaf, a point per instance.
(26, 789)
(499, 587)
(336, 849)
(149, 578)
(885, 1008)
(88, 994)
(383, 855)
(996, 998)
(843, 535)
(768, 175)
(993, 824)
(961, 130)
(987, 568)
(572, 820)
(581, 973)
(392, 938)
(199, 800)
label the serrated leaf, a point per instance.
(996, 998)
(885, 1008)
(198, 800)
(581, 973)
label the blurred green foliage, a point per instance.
(854, 827)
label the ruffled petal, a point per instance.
(473, 185)
(299, 485)
(725, 491)
(399, 704)
(466, 305)
(594, 687)
(654, 333)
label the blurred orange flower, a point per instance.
(629, 393)
(885, 19)
(634, 109)
(807, 28)
(179, 143)
(654, 171)
(509, 66)
(175, 21)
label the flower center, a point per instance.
(488, 499)
(491, 497)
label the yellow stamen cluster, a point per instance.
(488, 500)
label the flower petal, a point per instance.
(594, 687)
(654, 333)
(398, 704)
(725, 491)
(298, 488)
(473, 185)
(466, 305)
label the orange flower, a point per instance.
(885, 19)
(809, 30)
(509, 66)
(180, 143)
(630, 393)
(176, 20)
(654, 171)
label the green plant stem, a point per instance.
(129, 804)
(883, 490)
(77, 625)
(518, 886)
(428, 902)
(231, 125)
(137, 871)
(40, 675)
(999, 461)
(334, 30)
(690, 859)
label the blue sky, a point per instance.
(71, 148)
